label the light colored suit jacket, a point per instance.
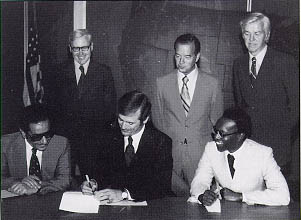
(206, 107)
(55, 166)
(257, 175)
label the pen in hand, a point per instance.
(87, 178)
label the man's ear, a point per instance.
(22, 133)
(198, 57)
(70, 49)
(91, 47)
(146, 120)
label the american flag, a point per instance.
(33, 79)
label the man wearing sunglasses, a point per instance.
(84, 102)
(34, 159)
(245, 170)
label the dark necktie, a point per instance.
(81, 81)
(253, 67)
(129, 152)
(185, 95)
(231, 163)
(34, 167)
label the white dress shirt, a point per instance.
(29, 153)
(192, 76)
(136, 139)
(259, 59)
(77, 70)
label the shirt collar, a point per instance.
(191, 76)
(260, 55)
(136, 139)
(237, 153)
(86, 65)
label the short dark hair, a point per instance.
(33, 114)
(189, 38)
(241, 119)
(132, 101)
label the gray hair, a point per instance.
(254, 17)
(80, 33)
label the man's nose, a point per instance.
(252, 37)
(44, 140)
(122, 125)
(181, 60)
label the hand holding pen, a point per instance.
(89, 186)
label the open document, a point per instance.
(80, 203)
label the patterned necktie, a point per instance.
(231, 163)
(185, 95)
(253, 68)
(129, 152)
(81, 81)
(34, 167)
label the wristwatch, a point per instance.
(124, 194)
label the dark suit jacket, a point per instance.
(55, 162)
(149, 175)
(93, 109)
(273, 103)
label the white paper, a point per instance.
(124, 203)
(215, 207)
(78, 202)
(7, 194)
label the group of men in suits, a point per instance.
(135, 160)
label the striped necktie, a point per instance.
(253, 68)
(185, 95)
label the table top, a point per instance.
(47, 207)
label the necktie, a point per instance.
(81, 81)
(185, 95)
(34, 167)
(253, 68)
(231, 162)
(129, 152)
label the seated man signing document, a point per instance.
(136, 162)
(246, 170)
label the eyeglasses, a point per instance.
(38, 137)
(220, 133)
(83, 49)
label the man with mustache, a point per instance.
(245, 169)
(35, 160)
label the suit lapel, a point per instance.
(145, 141)
(20, 156)
(196, 95)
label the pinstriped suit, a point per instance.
(206, 107)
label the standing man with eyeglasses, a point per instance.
(35, 160)
(244, 169)
(85, 102)
(190, 101)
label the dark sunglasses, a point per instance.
(220, 133)
(38, 137)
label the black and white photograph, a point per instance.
(150, 109)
